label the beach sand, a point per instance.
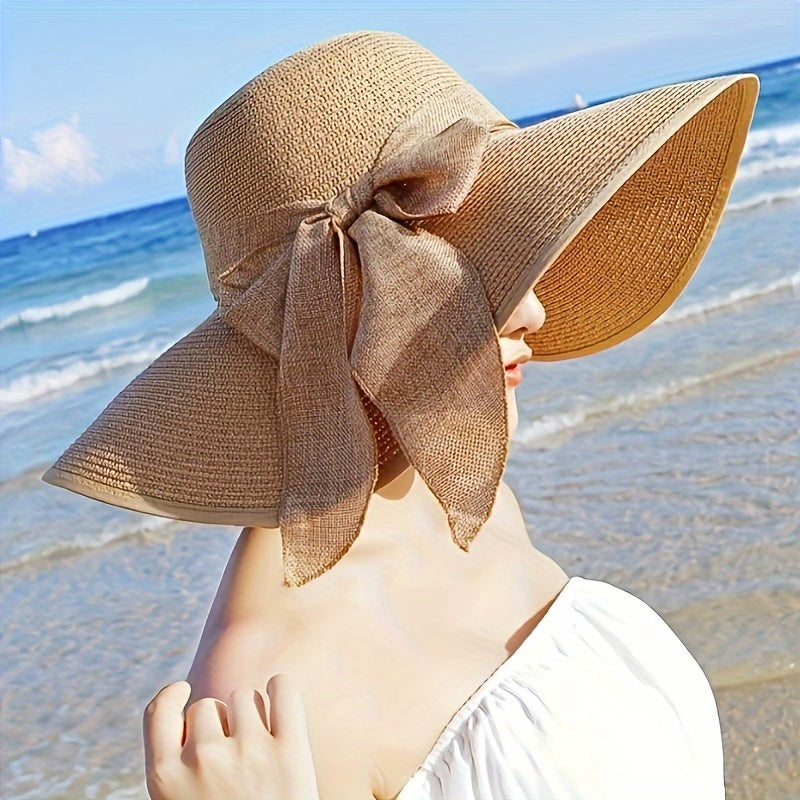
(761, 739)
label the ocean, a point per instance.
(668, 465)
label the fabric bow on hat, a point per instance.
(441, 392)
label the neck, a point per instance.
(404, 542)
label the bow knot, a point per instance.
(349, 203)
(387, 318)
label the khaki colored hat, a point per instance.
(369, 222)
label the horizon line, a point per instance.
(528, 120)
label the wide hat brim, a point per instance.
(607, 211)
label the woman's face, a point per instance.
(526, 318)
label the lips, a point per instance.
(522, 357)
(513, 375)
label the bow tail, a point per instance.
(329, 452)
(426, 352)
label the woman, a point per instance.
(373, 230)
(379, 673)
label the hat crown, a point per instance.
(310, 125)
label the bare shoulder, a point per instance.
(247, 654)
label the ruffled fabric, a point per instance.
(602, 701)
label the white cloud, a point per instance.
(173, 152)
(61, 155)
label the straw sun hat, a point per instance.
(369, 222)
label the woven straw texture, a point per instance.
(369, 222)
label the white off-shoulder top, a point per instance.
(602, 701)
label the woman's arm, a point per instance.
(235, 622)
(253, 575)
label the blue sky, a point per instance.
(98, 99)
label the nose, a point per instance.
(537, 312)
(528, 316)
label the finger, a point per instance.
(206, 719)
(246, 713)
(262, 704)
(162, 724)
(287, 711)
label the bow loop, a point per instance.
(383, 317)
(435, 175)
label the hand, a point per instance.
(229, 751)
